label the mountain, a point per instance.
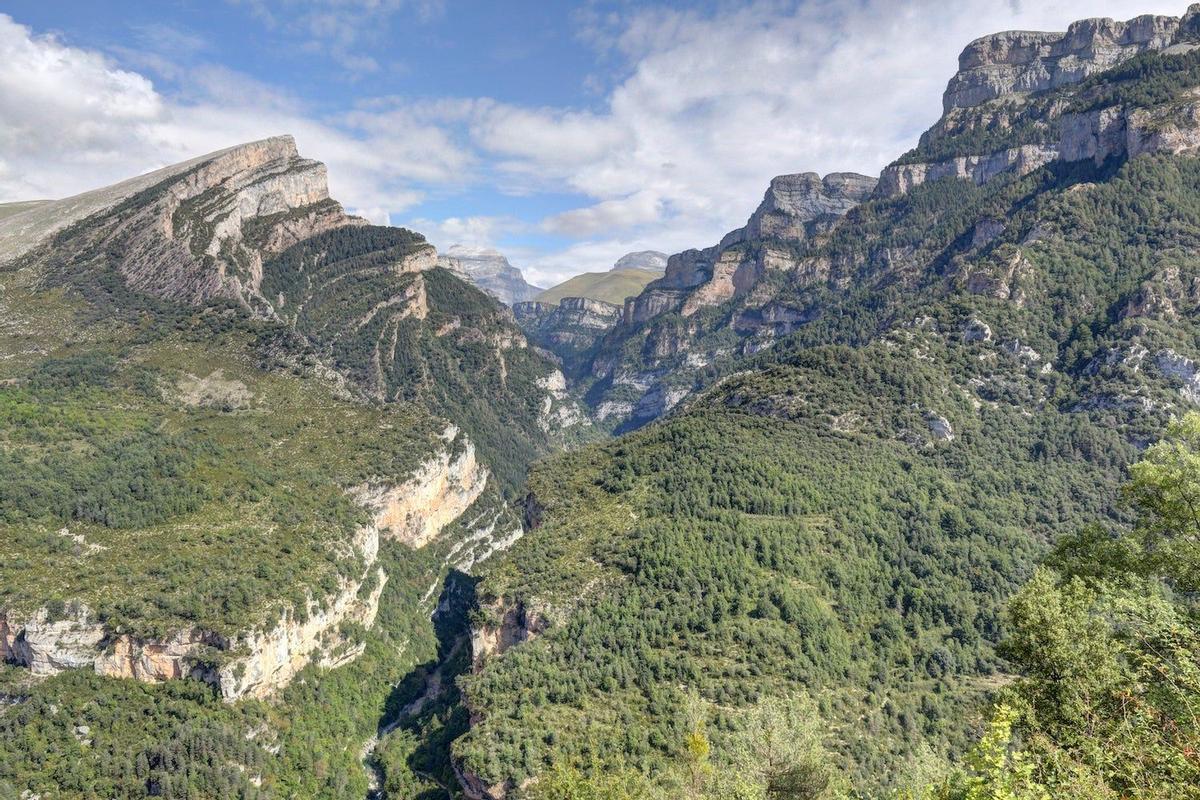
(249, 440)
(888, 401)
(902, 506)
(651, 260)
(569, 319)
(610, 287)
(490, 271)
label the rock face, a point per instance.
(1028, 61)
(570, 329)
(202, 230)
(490, 271)
(442, 489)
(650, 260)
(898, 179)
(999, 79)
(794, 207)
(255, 663)
(21, 232)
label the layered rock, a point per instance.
(1028, 61)
(256, 662)
(649, 260)
(997, 90)
(441, 489)
(794, 208)
(898, 179)
(490, 271)
(203, 230)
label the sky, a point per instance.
(565, 134)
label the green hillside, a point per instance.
(609, 287)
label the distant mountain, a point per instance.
(607, 287)
(489, 270)
(651, 260)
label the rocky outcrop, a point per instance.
(569, 329)
(490, 271)
(507, 625)
(203, 231)
(20, 233)
(1181, 370)
(440, 490)
(898, 179)
(1119, 131)
(995, 90)
(256, 662)
(793, 208)
(649, 260)
(1029, 61)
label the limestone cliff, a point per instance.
(442, 489)
(1032, 61)
(256, 662)
(569, 329)
(201, 231)
(490, 271)
(795, 207)
(1016, 85)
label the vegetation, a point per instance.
(608, 287)
(749, 549)
(425, 337)
(207, 501)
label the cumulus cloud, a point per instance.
(701, 109)
(715, 104)
(71, 120)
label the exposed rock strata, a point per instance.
(1031, 61)
(442, 489)
(490, 271)
(256, 662)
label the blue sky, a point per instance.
(565, 134)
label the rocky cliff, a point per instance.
(651, 260)
(195, 232)
(1018, 87)
(794, 208)
(1032, 61)
(440, 491)
(568, 330)
(256, 662)
(489, 270)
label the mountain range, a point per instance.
(885, 494)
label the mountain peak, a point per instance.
(20, 233)
(1029, 61)
(650, 260)
(488, 269)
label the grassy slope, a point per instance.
(610, 287)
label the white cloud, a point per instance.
(71, 120)
(473, 231)
(607, 215)
(703, 109)
(714, 105)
